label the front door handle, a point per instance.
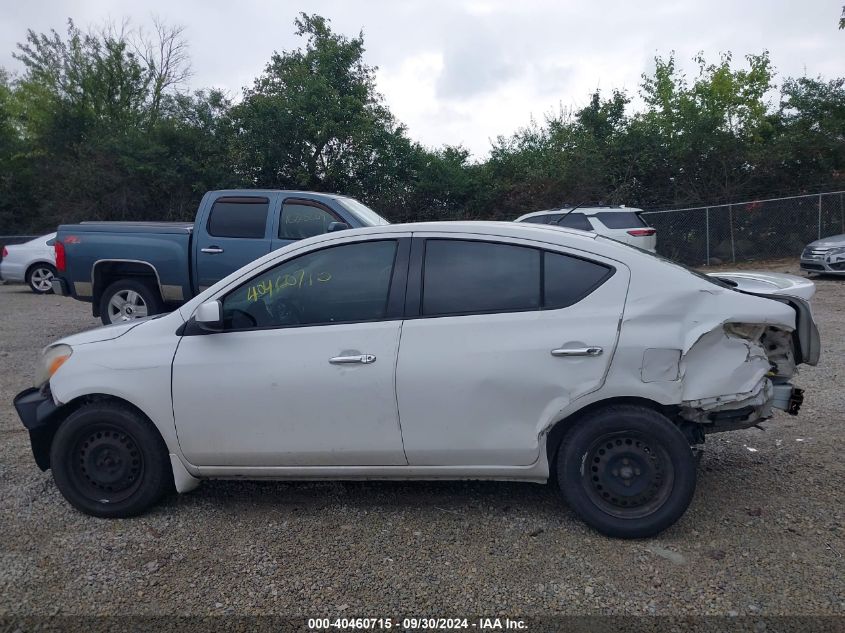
(577, 351)
(362, 359)
(212, 250)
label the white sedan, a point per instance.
(426, 351)
(32, 263)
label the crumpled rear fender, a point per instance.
(706, 350)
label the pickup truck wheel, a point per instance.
(128, 299)
(108, 460)
(39, 278)
(627, 471)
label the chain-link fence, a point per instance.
(747, 231)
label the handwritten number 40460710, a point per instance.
(297, 279)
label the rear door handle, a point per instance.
(213, 250)
(577, 351)
(363, 359)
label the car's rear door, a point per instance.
(500, 336)
(234, 232)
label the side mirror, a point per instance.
(336, 226)
(209, 316)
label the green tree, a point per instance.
(313, 118)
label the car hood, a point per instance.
(828, 242)
(104, 333)
(768, 283)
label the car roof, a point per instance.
(298, 192)
(587, 241)
(589, 211)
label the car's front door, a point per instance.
(303, 372)
(504, 337)
(300, 218)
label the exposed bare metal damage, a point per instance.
(720, 358)
(756, 359)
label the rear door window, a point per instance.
(244, 217)
(468, 277)
(620, 219)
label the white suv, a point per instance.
(623, 224)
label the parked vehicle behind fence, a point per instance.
(526, 353)
(32, 263)
(826, 255)
(129, 270)
(624, 224)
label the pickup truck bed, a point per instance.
(123, 248)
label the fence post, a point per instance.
(707, 231)
(841, 213)
(731, 223)
(820, 216)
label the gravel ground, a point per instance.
(764, 534)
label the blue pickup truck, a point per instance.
(128, 270)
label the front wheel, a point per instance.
(39, 278)
(127, 300)
(108, 460)
(627, 471)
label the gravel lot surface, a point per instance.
(764, 534)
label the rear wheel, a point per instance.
(108, 460)
(39, 278)
(127, 300)
(627, 471)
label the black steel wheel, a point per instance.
(109, 460)
(627, 471)
(630, 475)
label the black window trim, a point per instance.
(415, 280)
(306, 203)
(395, 292)
(238, 200)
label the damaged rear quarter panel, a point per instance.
(672, 314)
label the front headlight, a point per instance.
(51, 359)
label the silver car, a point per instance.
(826, 255)
(32, 263)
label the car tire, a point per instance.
(627, 471)
(127, 300)
(108, 460)
(39, 278)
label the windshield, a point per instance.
(364, 213)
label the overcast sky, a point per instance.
(466, 71)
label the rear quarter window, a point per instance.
(567, 280)
(620, 219)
